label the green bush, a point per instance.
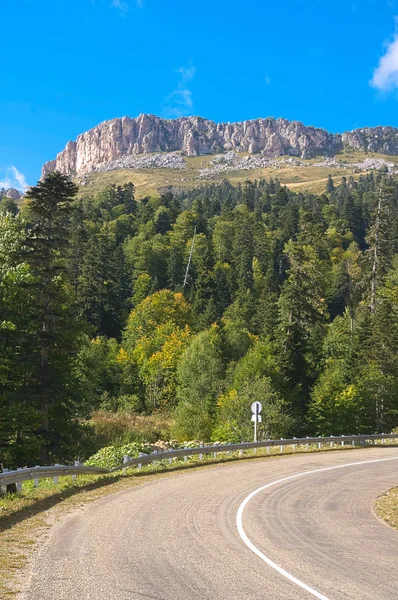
(112, 456)
(192, 422)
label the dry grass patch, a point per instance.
(386, 507)
(128, 426)
(149, 181)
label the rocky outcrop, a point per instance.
(164, 160)
(230, 162)
(11, 193)
(193, 136)
(383, 140)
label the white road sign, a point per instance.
(256, 408)
(258, 418)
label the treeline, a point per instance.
(290, 299)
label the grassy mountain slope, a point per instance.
(307, 178)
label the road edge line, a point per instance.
(266, 559)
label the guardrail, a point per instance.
(36, 473)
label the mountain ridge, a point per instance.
(197, 136)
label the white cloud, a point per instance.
(20, 178)
(187, 73)
(123, 6)
(179, 103)
(120, 5)
(12, 178)
(385, 77)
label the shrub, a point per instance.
(112, 456)
(126, 427)
(192, 421)
(234, 414)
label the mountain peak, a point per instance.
(196, 136)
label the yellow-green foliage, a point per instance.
(160, 308)
(157, 333)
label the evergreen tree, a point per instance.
(19, 413)
(330, 185)
(302, 316)
(7, 205)
(56, 335)
(381, 239)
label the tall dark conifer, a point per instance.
(49, 210)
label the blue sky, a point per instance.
(70, 64)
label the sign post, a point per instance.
(256, 417)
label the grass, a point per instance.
(128, 426)
(149, 181)
(386, 507)
(27, 516)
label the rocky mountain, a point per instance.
(372, 139)
(11, 193)
(194, 136)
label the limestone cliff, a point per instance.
(373, 139)
(195, 136)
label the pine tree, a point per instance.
(49, 209)
(302, 316)
(129, 200)
(330, 185)
(19, 413)
(243, 250)
(381, 239)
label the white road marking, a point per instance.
(267, 560)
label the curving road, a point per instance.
(185, 537)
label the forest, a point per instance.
(125, 320)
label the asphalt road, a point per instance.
(177, 538)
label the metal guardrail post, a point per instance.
(19, 483)
(3, 488)
(76, 464)
(126, 459)
(36, 481)
(139, 466)
(55, 479)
